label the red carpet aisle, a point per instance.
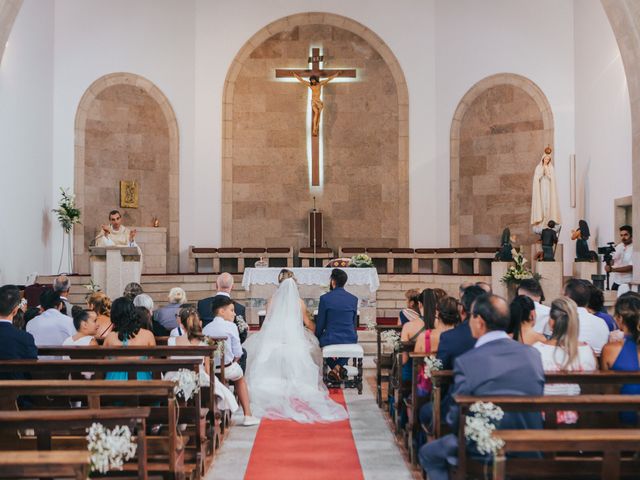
(285, 450)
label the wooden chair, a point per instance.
(50, 424)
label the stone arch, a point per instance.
(90, 95)
(278, 26)
(458, 222)
(8, 12)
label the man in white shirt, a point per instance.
(115, 233)
(593, 330)
(50, 327)
(532, 289)
(222, 326)
(62, 285)
(622, 268)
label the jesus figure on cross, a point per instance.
(315, 85)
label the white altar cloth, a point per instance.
(311, 276)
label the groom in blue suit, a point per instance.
(336, 321)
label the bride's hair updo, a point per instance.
(284, 274)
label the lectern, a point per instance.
(112, 268)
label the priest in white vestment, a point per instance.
(116, 234)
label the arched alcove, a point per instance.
(264, 153)
(498, 134)
(125, 129)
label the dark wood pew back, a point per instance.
(33, 464)
(384, 361)
(47, 423)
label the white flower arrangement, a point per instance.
(187, 383)
(518, 272)
(361, 261)
(480, 424)
(67, 212)
(372, 324)
(390, 339)
(109, 448)
(431, 364)
(242, 325)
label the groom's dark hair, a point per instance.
(340, 277)
(220, 301)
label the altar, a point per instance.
(261, 283)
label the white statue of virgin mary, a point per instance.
(544, 196)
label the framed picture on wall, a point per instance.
(128, 194)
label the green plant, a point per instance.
(67, 212)
(361, 261)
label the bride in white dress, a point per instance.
(284, 364)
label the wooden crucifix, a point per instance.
(315, 83)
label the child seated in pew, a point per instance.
(190, 325)
(86, 325)
(624, 355)
(222, 325)
(564, 352)
(127, 330)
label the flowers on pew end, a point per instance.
(67, 212)
(187, 383)
(372, 324)
(361, 261)
(431, 364)
(242, 325)
(110, 448)
(390, 339)
(479, 426)
(518, 272)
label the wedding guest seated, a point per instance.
(62, 285)
(447, 317)
(85, 323)
(593, 330)
(596, 307)
(485, 286)
(412, 311)
(452, 344)
(496, 365)
(625, 355)
(51, 327)
(523, 320)
(222, 325)
(418, 325)
(564, 352)
(101, 304)
(127, 330)
(190, 327)
(144, 307)
(15, 344)
(132, 290)
(531, 288)
(18, 319)
(164, 319)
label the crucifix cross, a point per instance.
(315, 84)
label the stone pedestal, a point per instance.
(498, 269)
(153, 244)
(552, 279)
(112, 268)
(584, 270)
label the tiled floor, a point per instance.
(379, 454)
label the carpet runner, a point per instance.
(287, 450)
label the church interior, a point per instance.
(472, 165)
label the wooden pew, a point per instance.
(48, 423)
(29, 464)
(571, 440)
(195, 413)
(443, 378)
(166, 451)
(399, 393)
(384, 361)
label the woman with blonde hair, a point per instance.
(164, 319)
(101, 305)
(564, 352)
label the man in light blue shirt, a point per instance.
(51, 327)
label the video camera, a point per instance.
(607, 252)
